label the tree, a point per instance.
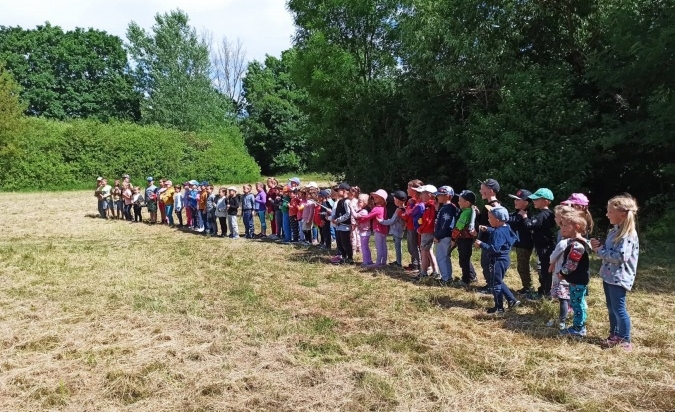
(274, 126)
(75, 74)
(11, 112)
(229, 63)
(173, 73)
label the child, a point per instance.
(247, 207)
(445, 222)
(201, 204)
(293, 207)
(463, 235)
(221, 210)
(324, 209)
(541, 225)
(488, 192)
(168, 198)
(410, 225)
(425, 228)
(186, 204)
(524, 245)
(397, 225)
(261, 209)
(284, 207)
(193, 204)
(127, 195)
(363, 228)
(381, 231)
(118, 202)
(501, 239)
(160, 200)
(580, 202)
(151, 199)
(306, 212)
(559, 287)
(211, 212)
(232, 209)
(354, 194)
(619, 255)
(137, 200)
(178, 204)
(576, 269)
(342, 220)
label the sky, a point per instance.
(263, 26)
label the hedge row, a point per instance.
(56, 155)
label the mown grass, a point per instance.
(103, 315)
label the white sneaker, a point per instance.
(550, 323)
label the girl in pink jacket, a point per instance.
(377, 214)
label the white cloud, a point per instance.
(264, 26)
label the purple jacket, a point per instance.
(261, 201)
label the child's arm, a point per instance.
(394, 218)
(346, 216)
(364, 217)
(573, 258)
(472, 222)
(618, 253)
(497, 240)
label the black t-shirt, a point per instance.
(232, 206)
(482, 220)
(581, 274)
(542, 225)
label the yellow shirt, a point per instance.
(201, 204)
(167, 196)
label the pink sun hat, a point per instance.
(381, 193)
(576, 199)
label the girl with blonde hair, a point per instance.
(619, 254)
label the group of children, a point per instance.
(435, 223)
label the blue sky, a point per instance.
(263, 26)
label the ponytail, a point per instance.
(589, 221)
(625, 203)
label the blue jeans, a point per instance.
(101, 208)
(168, 211)
(486, 266)
(578, 303)
(263, 222)
(197, 217)
(203, 216)
(279, 221)
(397, 247)
(247, 217)
(499, 288)
(286, 219)
(619, 320)
(443, 258)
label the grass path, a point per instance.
(99, 315)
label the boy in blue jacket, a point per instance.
(498, 246)
(445, 222)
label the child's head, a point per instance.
(412, 185)
(137, 189)
(293, 193)
(498, 216)
(323, 195)
(232, 191)
(222, 191)
(125, 185)
(579, 201)
(489, 189)
(573, 224)
(259, 187)
(363, 200)
(379, 197)
(444, 194)
(177, 188)
(399, 198)
(354, 192)
(117, 183)
(343, 190)
(560, 212)
(541, 198)
(521, 199)
(466, 199)
(426, 192)
(294, 182)
(622, 211)
(209, 189)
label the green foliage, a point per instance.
(73, 74)
(11, 109)
(64, 155)
(173, 71)
(275, 127)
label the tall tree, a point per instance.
(229, 64)
(173, 72)
(74, 74)
(11, 111)
(274, 126)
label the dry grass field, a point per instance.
(102, 315)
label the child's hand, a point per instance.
(522, 213)
(482, 228)
(477, 243)
(435, 240)
(551, 267)
(595, 245)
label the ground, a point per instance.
(107, 315)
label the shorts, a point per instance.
(427, 241)
(306, 225)
(152, 205)
(119, 205)
(107, 204)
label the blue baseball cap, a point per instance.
(500, 213)
(149, 179)
(445, 190)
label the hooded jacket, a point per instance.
(499, 243)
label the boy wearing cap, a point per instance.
(343, 226)
(211, 201)
(463, 236)
(232, 209)
(397, 225)
(498, 246)
(542, 226)
(524, 245)
(247, 208)
(445, 222)
(408, 216)
(151, 199)
(324, 210)
(488, 192)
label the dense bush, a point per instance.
(67, 155)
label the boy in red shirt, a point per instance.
(426, 227)
(412, 237)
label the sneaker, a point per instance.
(349, 261)
(562, 326)
(366, 265)
(513, 304)
(495, 310)
(419, 278)
(411, 267)
(573, 331)
(485, 291)
(395, 264)
(444, 283)
(550, 323)
(611, 342)
(336, 259)
(462, 284)
(626, 346)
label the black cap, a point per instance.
(468, 195)
(522, 194)
(400, 195)
(492, 184)
(344, 186)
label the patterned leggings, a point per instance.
(578, 302)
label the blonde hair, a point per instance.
(562, 210)
(625, 203)
(589, 220)
(577, 218)
(364, 198)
